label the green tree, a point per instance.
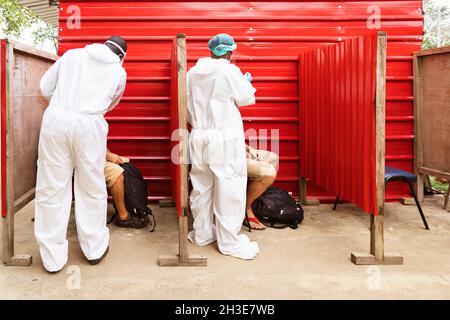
(15, 18)
(436, 24)
(46, 32)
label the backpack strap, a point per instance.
(270, 223)
(154, 221)
(114, 215)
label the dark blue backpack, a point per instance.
(136, 193)
(276, 208)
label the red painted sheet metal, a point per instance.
(337, 119)
(270, 36)
(3, 124)
(174, 126)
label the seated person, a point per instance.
(114, 183)
(262, 169)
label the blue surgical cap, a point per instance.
(221, 44)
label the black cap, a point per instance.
(120, 42)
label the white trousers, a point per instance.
(71, 145)
(219, 180)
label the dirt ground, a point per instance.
(312, 262)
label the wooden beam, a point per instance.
(182, 116)
(33, 51)
(377, 254)
(366, 259)
(183, 240)
(432, 51)
(427, 200)
(302, 193)
(8, 222)
(436, 173)
(376, 222)
(447, 195)
(166, 203)
(183, 258)
(175, 261)
(377, 236)
(418, 125)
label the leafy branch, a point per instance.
(14, 18)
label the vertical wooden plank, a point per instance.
(418, 129)
(447, 195)
(182, 116)
(183, 258)
(377, 255)
(183, 241)
(377, 236)
(376, 225)
(302, 190)
(8, 222)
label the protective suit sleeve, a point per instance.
(241, 90)
(50, 79)
(119, 91)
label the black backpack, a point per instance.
(136, 193)
(276, 208)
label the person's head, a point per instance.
(222, 46)
(118, 45)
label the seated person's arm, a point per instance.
(112, 157)
(251, 152)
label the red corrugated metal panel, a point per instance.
(337, 119)
(270, 36)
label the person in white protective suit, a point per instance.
(82, 86)
(215, 90)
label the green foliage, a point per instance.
(436, 24)
(439, 184)
(14, 18)
(45, 32)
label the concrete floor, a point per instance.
(311, 262)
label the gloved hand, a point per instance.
(248, 76)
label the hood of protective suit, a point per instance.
(207, 66)
(102, 53)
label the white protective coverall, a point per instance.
(83, 85)
(215, 88)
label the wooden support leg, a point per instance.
(419, 187)
(302, 193)
(8, 256)
(166, 203)
(446, 198)
(377, 255)
(183, 259)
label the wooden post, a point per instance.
(418, 116)
(183, 258)
(302, 193)
(447, 195)
(377, 255)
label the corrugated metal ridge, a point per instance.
(243, 19)
(42, 8)
(238, 39)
